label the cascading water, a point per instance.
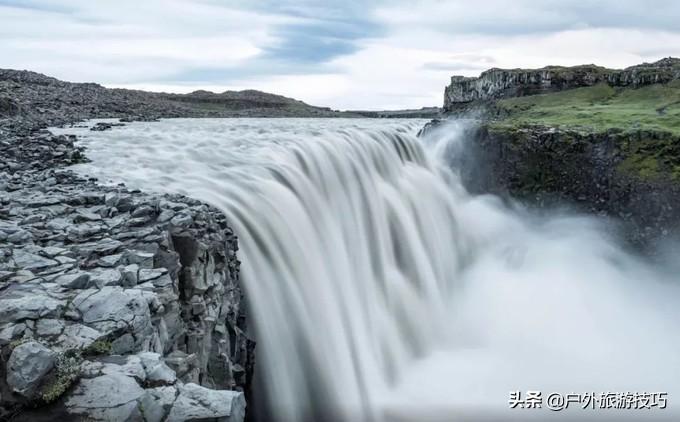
(381, 290)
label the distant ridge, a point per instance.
(494, 84)
(36, 100)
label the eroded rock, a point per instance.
(27, 366)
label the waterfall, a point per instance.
(381, 290)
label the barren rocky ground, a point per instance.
(114, 304)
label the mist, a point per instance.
(382, 290)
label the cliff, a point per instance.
(115, 304)
(603, 141)
(495, 84)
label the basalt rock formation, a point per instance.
(603, 141)
(495, 84)
(115, 304)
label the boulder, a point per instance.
(110, 397)
(27, 366)
(78, 280)
(157, 402)
(157, 372)
(30, 306)
(77, 336)
(112, 309)
(196, 403)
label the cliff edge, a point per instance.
(115, 304)
(495, 84)
(603, 141)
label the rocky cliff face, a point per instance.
(608, 174)
(114, 304)
(610, 152)
(495, 84)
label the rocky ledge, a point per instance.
(601, 141)
(598, 173)
(495, 84)
(114, 304)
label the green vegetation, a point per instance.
(66, 372)
(99, 347)
(598, 108)
(653, 159)
(18, 342)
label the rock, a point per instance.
(31, 306)
(141, 258)
(504, 83)
(11, 332)
(110, 397)
(64, 260)
(130, 275)
(27, 366)
(128, 365)
(100, 247)
(182, 220)
(121, 202)
(143, 211)
(29, 261)
(123, 344)
(83, 215)
(151, 274)
(71, 228)
(79, 280)
(112, 309)
(58, 224)
(157, 372)
(196, 403)
(20, 236)
(83, 231)
(49, 327)
(157, 402)
(101, 277)
(165, 216)
(110, 260)
(77, 336)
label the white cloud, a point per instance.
(386, 54)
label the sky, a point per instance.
(344, 54)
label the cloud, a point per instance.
(341, 53)
(35, 5)
(520, 17)
(461, 61)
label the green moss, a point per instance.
(67, 371)
(56, 389)
(99, 347)
(599, 108)
(18, 342)
(646, 168)
(648, 159)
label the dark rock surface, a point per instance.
(548, 167)
(630, 176)
(419, 113)
(114, 304)
(30, 100)
(495, 84)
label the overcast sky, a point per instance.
(346, 54)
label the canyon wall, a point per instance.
(115, 304)
(609, 152)
(496, 84)
(606, 174)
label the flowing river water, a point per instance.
(381, 290)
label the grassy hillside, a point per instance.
(599, 108)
